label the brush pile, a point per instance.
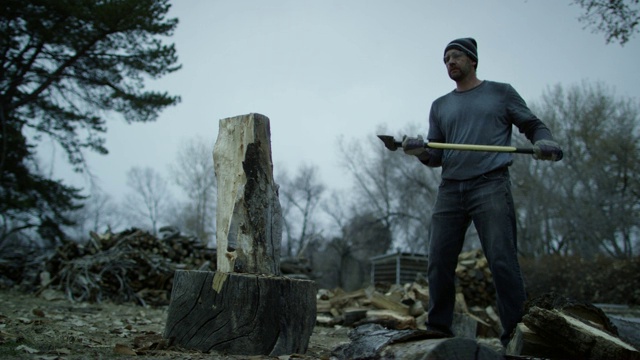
(131, 266)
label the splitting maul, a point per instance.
(393, 145)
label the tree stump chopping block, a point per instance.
(245, 307)
(242, 314)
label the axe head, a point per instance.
(389, 142)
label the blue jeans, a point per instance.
(487, 201)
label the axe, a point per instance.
(393, 145)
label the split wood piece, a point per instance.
(585, 311)
(389, 319)
(351, 316)
(344, 299)
(419, 292)
(464, 326)
(381, 301)
(475, 280)
(577, 337)
(248, 214)
(372, 341)
(241, 314)
(628, 330)
(525, 342)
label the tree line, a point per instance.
(68, 66)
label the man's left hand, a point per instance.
(547, 150)
(413, 145)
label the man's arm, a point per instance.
(434, 159)
(544, 146)
(526, 121)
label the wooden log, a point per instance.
(420, 292)
(389, 319)
(248, 215)
(525, 342)
(372, 341)
(577, 337)
(416, 309)
(323, 306)
(383, 302)
(343, 299)
(440, 349)
(628, 330)
(464, 326)
(242, 314)
(353, 315)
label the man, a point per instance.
(475, 186)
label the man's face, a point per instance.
(459, 65)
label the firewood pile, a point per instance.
(404, 306)
(475, 281)
(129, 266)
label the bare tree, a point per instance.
(617, 19)
(193, 172)
(300, 197)
(395, 188)
(344, 260)
(99, 213)
(588, 203)
(149, 199)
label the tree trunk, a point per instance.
(241, 314)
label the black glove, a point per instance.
(415, 146)
(547, 150)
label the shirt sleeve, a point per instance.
(435, 134)
(522, 117)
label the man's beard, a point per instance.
(458, 75)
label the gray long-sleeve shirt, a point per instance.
(484, 115)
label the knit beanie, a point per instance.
(466, 45)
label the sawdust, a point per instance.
(50, 327)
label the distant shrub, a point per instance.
(599, 280)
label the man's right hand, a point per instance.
(413, 145)
(547, 150)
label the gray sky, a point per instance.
(328, 68)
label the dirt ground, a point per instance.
(49, 327)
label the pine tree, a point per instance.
(68, 66)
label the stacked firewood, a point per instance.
(404, 306)
(133, 265)
(474, 279)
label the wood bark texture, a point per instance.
(576, 337)
(241, 314)
(248, 216)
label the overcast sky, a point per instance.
(323, 69)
